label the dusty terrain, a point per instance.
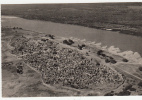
(57, 66)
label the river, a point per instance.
(107, 38)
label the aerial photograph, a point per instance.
(71, 49)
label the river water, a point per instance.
(106, 38)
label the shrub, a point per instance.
(83, 45)
(68, 42)
(44, 40)
(51, 36)
(124, 93)
(21, 48)
(100, 52)
(20, 69)
(140, 84)
(113, 61)
(79, 47)
(71, 41)
(65, 42)
(124, 60)
(109, 94)
(128, 87)
(97, 64)
(140, 68)
(107, 60)
(110, 57)
(132, 89)
(103, 55)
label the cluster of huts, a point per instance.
(63, 66)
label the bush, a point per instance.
(124, 93)
(65, 42)
(110, 57)
(20, 69)
(51, 36)
(128, 87)
(124, 60)
(21, 48)
(140, 84)
(100, 52)
(83, 45)
(107, 60)
(79, 47)
(109, 94)
(97, 64)
(103, 55)
(132, 89)
(44, 40)
(113, 61)
(71, 41)
(68, 42)
(140, 68)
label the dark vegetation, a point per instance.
(100, 52)
(51, 36)
(124, 60)
(68, 42)
(16, 28)
(109, 94)
(126, 91)
(140, 68)
(140, 84)
(20, 69)
(108, 59)
(123, 17)
(81, 46)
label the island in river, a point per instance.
(41, 64)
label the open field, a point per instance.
(40, 64)
(123, 17)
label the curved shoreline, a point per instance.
(111, 49)
(120, 30)
(115, 50)
(90, 32)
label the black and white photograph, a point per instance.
(71, 49)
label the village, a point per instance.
(62, 65)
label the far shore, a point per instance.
(121, 30)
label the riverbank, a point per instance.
(97, 25)
(106, 38)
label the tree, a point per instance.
(124, 60)
(68, 42)
(51, 36)
(100, 52)
(140, 68)
(140, 84)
